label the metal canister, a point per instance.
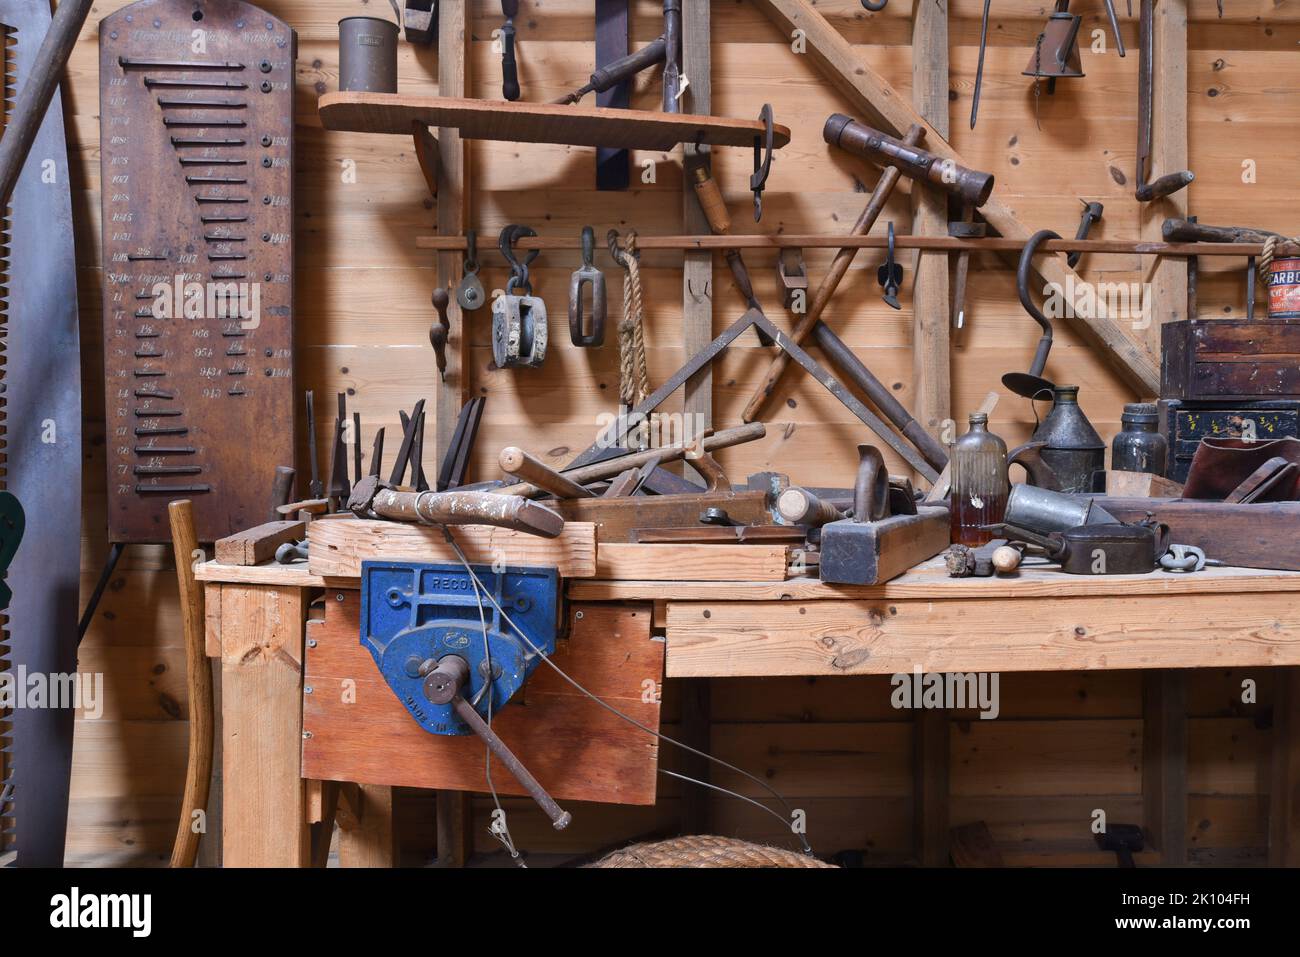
(1043, 511)
(367, 55)
(1074, 450)
(1284, 289)
(1139, 446)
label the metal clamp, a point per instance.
(762, 160)
(587, 274)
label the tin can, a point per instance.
(367, 55)
(1284, 289)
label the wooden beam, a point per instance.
(697, 269)
(1168, 296)
(931, 305)
(1164, 764)
(728, 638)
(883, 106)
(1284, 792)
(930, 757)
(372, 842)
(688, 562)
(453, 215)
(264, 810)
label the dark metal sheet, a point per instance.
(42, 434)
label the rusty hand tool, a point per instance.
(587, 275)
(890, 273)
(281, 490)
(515, 461)
(198, 675)
(973, 186)
(372, 498)
(357, 475)
(339, 484)
(315, 489)
(1031, 384)
(1091, 215)
(439, 331)
(714, 207)
(1056, 51)
(965, 228)
(618, 71)
(1114, 27)
(403, 459)
(443, 682)
(672, 56)
(1170, 182)
(1188, 231)
(451, 472)
(839, 266)
(418, 481)
(882, 397)
(608, 468)
(979, 66)
(509, 67)
(763, 149)
(377, 454)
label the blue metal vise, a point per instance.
(413, 614)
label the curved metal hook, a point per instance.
(518, 270)
(1032, 384)
(762, 159)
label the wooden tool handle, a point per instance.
(198, 674)
(711, 201)
(801, 507)
(515, 461)
(281, 490)
(839, 266)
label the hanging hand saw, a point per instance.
(40, 422)
(196, 141)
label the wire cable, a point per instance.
(615, 711)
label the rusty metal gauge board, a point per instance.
(40, 424)
(196, 167)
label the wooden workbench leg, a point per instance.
(1284, 801)
(261, 632)
(930, 787)
(371, 843)
(455, 841)
(1164, 764)
(696, 717)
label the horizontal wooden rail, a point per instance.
(785, 240)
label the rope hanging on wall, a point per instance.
(634, 376)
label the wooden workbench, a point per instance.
(1037, 621)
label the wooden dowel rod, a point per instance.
(995, 244)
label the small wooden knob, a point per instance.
(1006, 559)
(441, 300)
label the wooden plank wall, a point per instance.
(1066, 744)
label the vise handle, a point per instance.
(443, 682)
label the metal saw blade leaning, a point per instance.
(42, 448)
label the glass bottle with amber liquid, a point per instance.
(979, 483)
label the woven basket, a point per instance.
(706, 850)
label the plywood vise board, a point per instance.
(355, 729)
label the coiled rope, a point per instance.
(634, 376)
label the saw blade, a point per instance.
(41, 428)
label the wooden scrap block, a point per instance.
(337, 549)
(1141, 485)
(256, 545)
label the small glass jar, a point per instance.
(1139, 446)
(979, 483)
